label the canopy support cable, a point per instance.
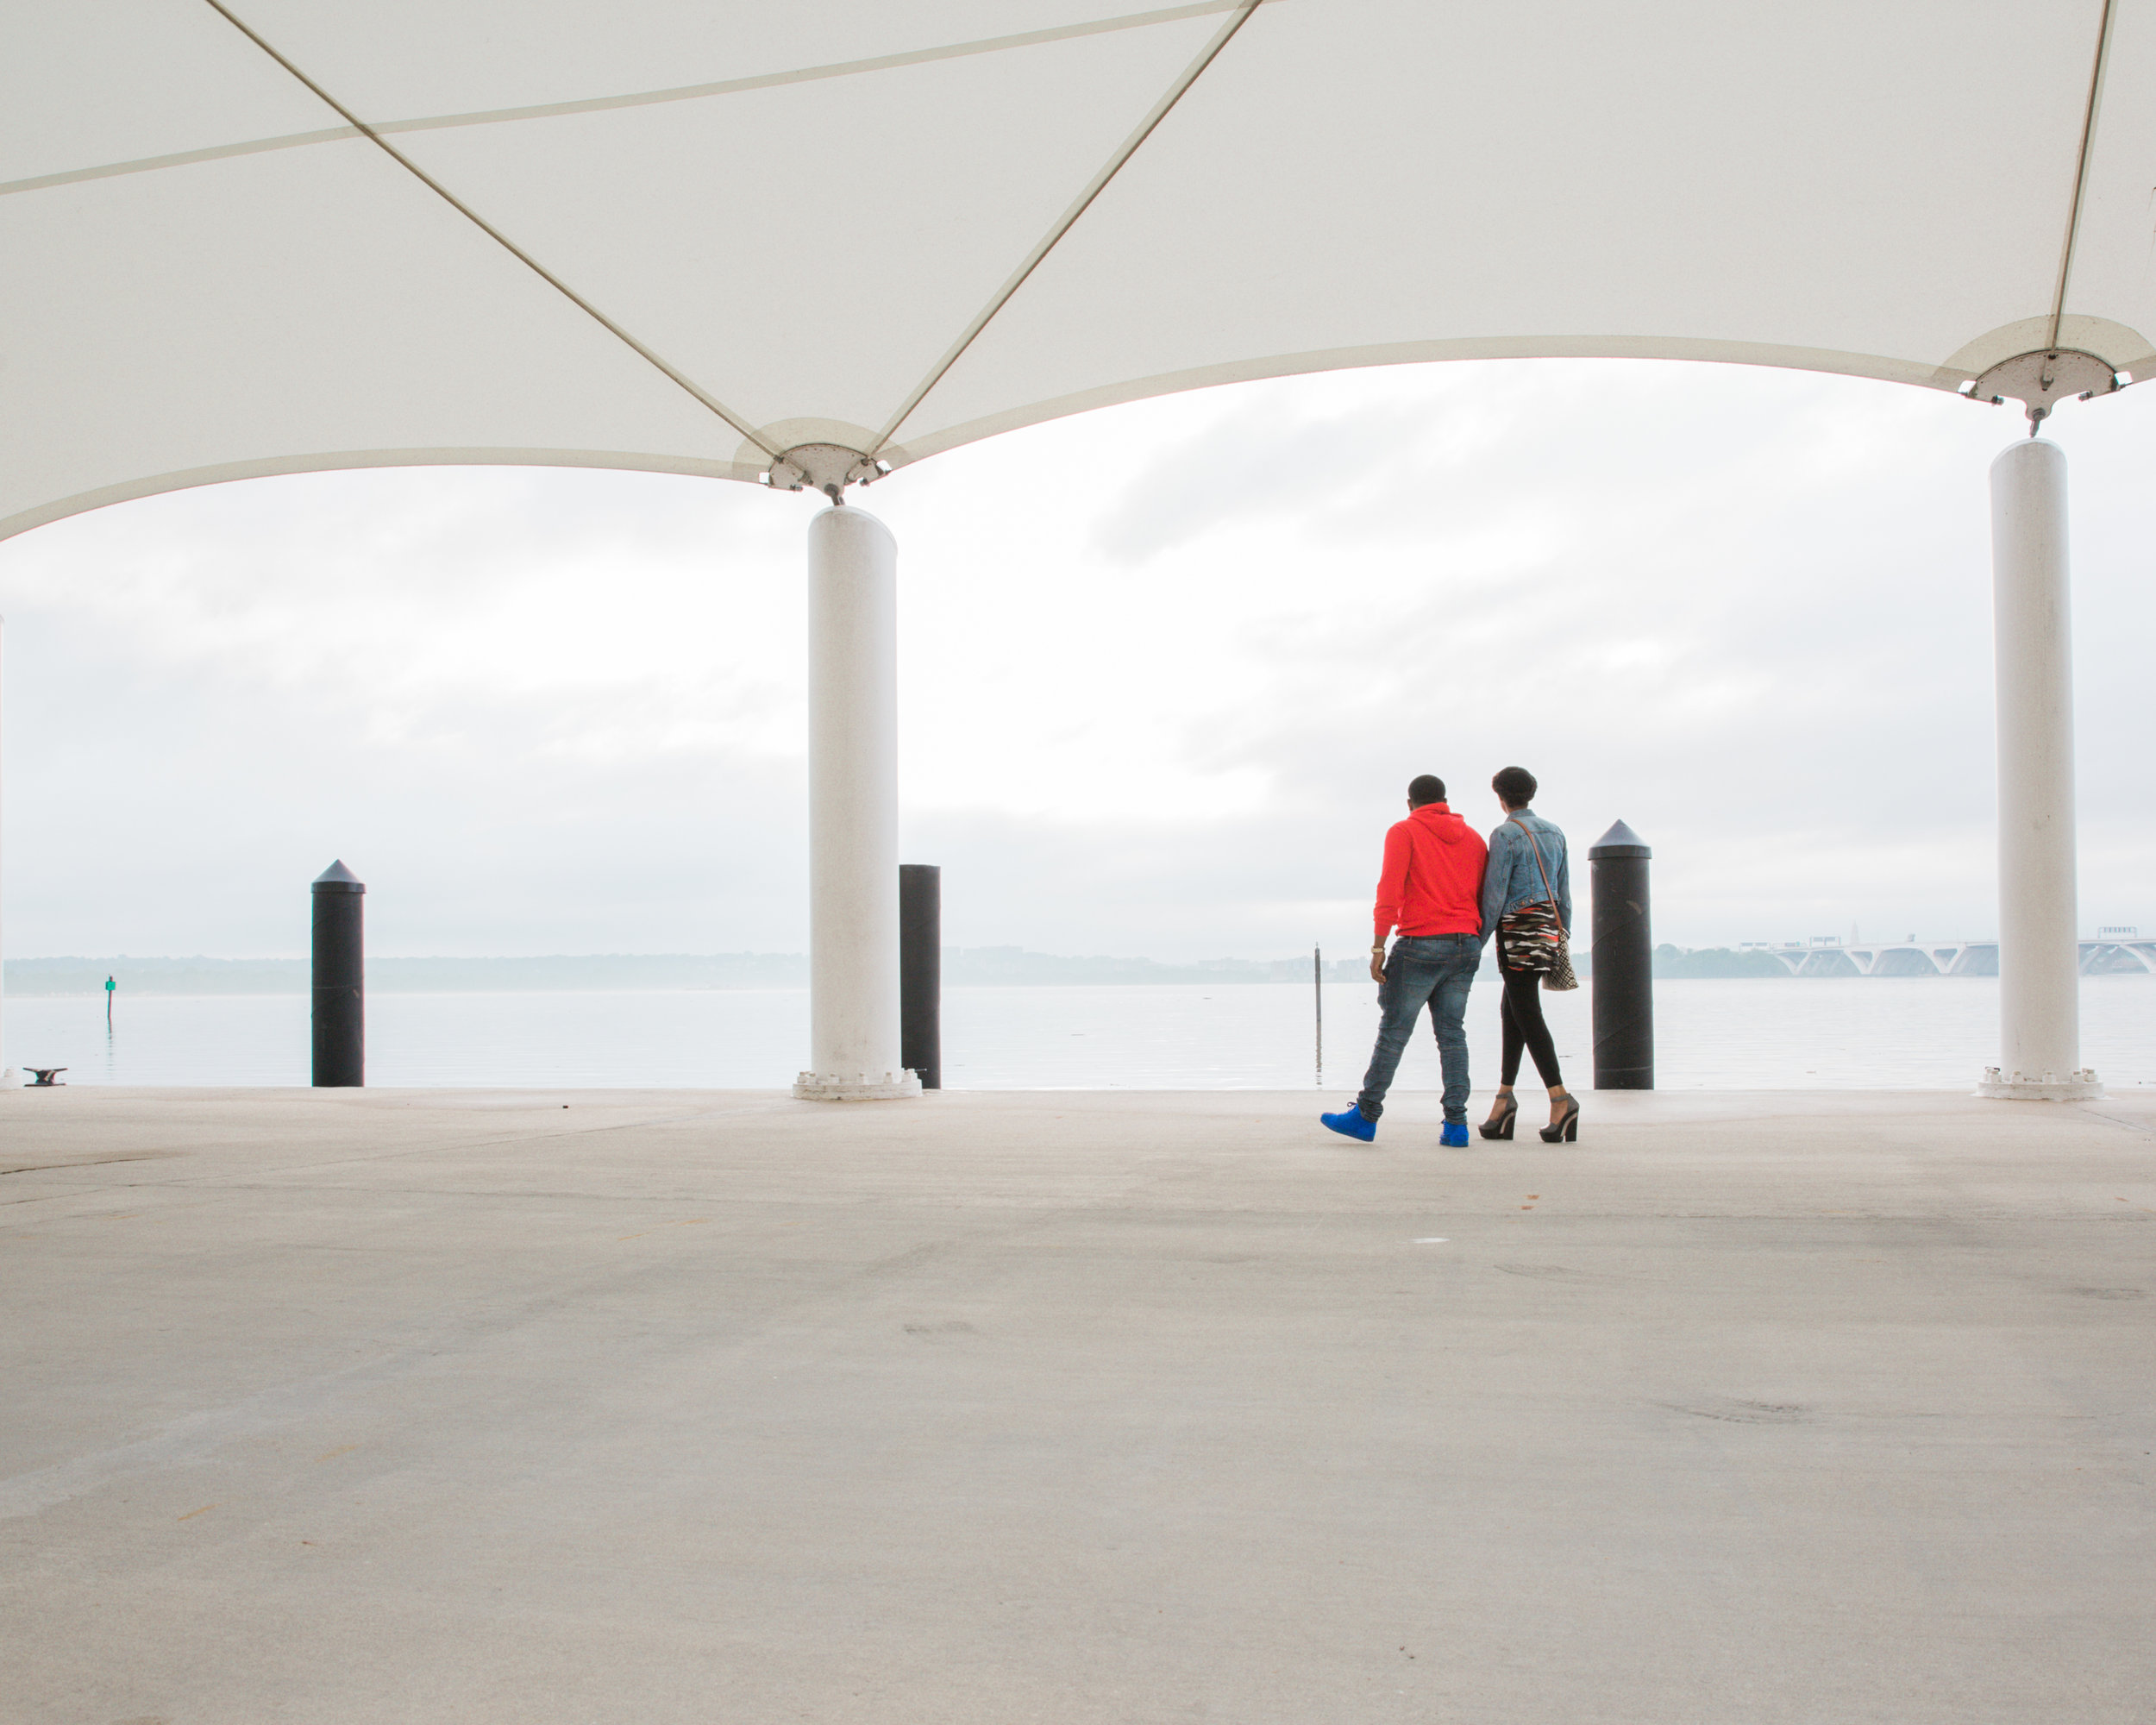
(668, 371)
(2081, 170)
(1099, 183)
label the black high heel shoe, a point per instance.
(1500, 1126)
(1567, 1128)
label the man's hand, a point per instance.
(1377, 962)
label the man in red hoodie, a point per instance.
(1432, 893)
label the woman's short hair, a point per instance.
(1515, 786)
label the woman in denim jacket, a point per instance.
(1527, 905)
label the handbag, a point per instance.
(1560, 976)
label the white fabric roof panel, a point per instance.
(1393, 181)
(132, 81)
(689, 236)
(426, 59)
(765, 261)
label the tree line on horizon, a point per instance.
(962, 968)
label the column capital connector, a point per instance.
(2044, 377)
(828, 468)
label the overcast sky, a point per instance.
(1165, 671)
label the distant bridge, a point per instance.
(1830, 956)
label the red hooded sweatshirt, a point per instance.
(1432, 882)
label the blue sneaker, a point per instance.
(1454, 1137)
(1350, 1123)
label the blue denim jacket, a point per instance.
(1512, 879)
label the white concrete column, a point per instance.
(853, 812)
(9, 1078)
(2040, 952)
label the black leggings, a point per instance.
(1524, 1027)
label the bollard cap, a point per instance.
(1620, 841)
(336, 878)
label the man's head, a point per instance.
(1515, 787)
(1424, 787)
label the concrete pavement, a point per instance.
(429, 1406)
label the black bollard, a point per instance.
(1624, 962)
(921, 972)
(340, 979)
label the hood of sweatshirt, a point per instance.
(1439, 819)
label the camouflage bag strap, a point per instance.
(1560, 977)
(1548, 891)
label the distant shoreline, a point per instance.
(621, 973)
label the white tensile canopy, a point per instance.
(813, 243)
(251, 237)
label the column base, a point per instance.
(885, 1087)
(2044, 1086)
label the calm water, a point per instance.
(1765, 1033)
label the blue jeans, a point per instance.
(1434, 968)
